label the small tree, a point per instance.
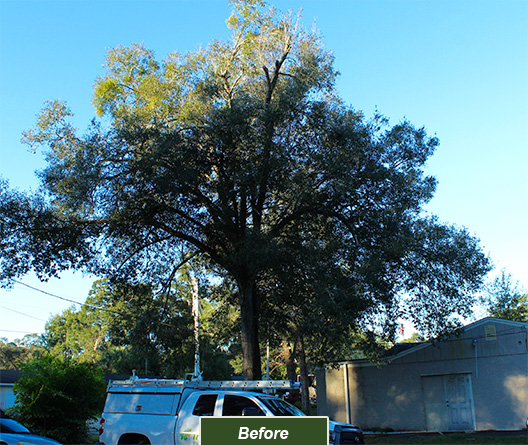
(506, 300)
(56, 397)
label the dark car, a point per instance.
(13, 433)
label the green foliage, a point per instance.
(506, 300)
(14, 354)
(34, 237)
(414, 338)
(123, 327)
(56, 397)
(244, 155)
(443, 271)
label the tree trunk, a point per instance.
(289, 359)
(249, 314)
(305, 378)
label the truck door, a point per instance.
(188, 424)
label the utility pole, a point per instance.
(196, 316)
(267, 361)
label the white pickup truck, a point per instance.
(152, 412)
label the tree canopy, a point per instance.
(244, 154)
(123, 327)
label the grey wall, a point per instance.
(486, 380)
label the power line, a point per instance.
(22, 313)
(108, 310)
(47, 293)
(18, 332)
(56, 296)
(112, 311)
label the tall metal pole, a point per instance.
(196, 316)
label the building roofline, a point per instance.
(496, 320)
(420, 346)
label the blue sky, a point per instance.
(457, 67)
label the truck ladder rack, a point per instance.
(243, 384)
(206, 384)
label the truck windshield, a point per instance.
(280, 407)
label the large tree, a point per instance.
(242, 153)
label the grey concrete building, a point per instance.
(477, 380)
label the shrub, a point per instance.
(56, 397)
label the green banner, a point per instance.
(295, 430)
